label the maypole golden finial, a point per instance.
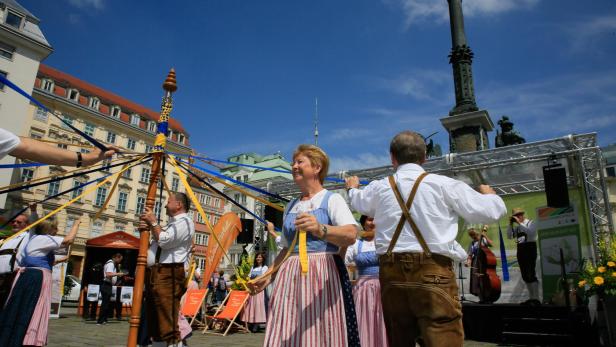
(170, 83)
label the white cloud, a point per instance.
(557, 106)
(418, 84)
(85, 4)
(437, 10)
(589, 33)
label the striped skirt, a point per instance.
(254, 311)
(307, 310)
(23, 316)
(367, 297)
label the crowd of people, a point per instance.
(404, 255)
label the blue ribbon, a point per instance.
(224, 195)
(36, 102)
(219, 175)
(14, 166)
(332, 179)
(503, 255)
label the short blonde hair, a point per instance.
(316, 156)
(45, 227)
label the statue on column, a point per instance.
(507, 136)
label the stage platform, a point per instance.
(515, 324)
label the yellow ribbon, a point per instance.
(195, 201)
(87, 191)
(160, 140)
(303, 252)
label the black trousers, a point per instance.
(105, 302)
(117, 305)
(527, 258)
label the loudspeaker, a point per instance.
(273, 215)
(248, 230)
(556, 190)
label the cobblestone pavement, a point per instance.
(72, 331)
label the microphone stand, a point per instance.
(461, 278)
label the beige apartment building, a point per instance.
(111, 119)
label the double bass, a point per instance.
(485, 283)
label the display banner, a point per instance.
(126, 295)
(57, 289)
(93, 290)
(557, 228)
(227, 229)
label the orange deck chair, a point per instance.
(228, 311)
(193, 304)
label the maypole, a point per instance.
(144, 242)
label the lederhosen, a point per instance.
(418, 289)
(165, 286)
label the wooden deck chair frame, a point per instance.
(193, 319)
(232, 323)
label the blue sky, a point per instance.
(248, 71)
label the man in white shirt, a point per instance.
(418, 286)
(525, 234)
(165, 275)
(110, 277)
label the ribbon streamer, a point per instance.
(36, 102)
(87, 191)
(25, 186)
(15, 166)
(206, 159)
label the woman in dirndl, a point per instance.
(367, 289)
(254, 312)
(311, 303)
(25, 318)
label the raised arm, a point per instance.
(70, 237)
(31, 149)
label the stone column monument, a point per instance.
(467, 124)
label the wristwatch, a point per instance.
(324, 230)
(155, 224)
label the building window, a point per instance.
(135, 119)
(215, 220)
(89, 129)
(84, 150)
(68, 120)
(35, 134)
(120, 227)
(122, 200)
(53, 188)
(77, 191)
(149, 148)
(94, 103)
(140, 204)
(181, 138)
(101, 195)
(217, 202)
(4, 74)
(200, 218)
(97, 228)
(243, 199)
(47, 85)
(611, 171)
(40, 115)
(73, 94)
(169, 134)
(6, 50)
(208, 200)
(152, 126)
(69, 224)
(14, 19)
(175, 184)
(130, 144)
(27, 175)
(145, 175)
(236, 197)
(63, 145)
(115, 111)
(111, 137)
(106, 165)
(127, 173)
